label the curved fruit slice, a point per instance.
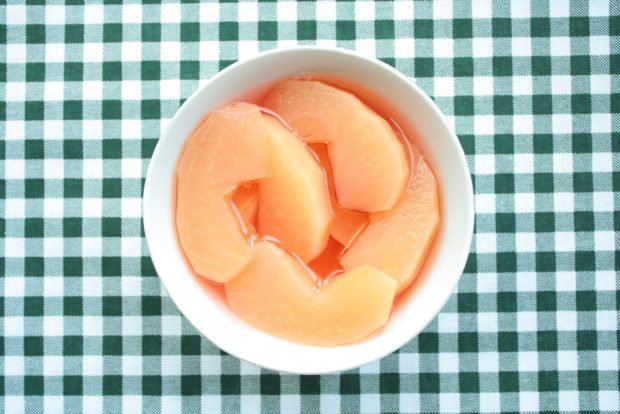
(396, 242)
(237, 144)
(209, 232)
(276, 294)
(246, 201)
(293, 202)
(229, 147)
(363, 149)
(347, 223)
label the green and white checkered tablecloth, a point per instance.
(533, 92)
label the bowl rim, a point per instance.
(460, 260)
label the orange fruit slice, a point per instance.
(237, 144)
(293, 204)
(396, 242)
(277, 295)
(369, 163)
(209, 230)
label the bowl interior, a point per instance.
(438, 144)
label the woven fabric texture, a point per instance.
(532, 89)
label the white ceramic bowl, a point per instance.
(439, 145)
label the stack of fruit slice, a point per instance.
(260, 196)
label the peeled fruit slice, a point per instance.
(396, 242)
(293, 202)
(229, 147)
(209, 232)
(237, 144)
(246, 202)
(369, 162)
(276, 294)
(347, 223)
